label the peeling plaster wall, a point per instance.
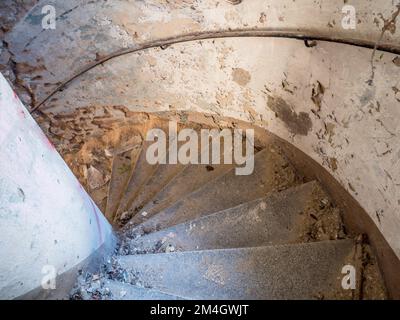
(325, 100)
(88, 29)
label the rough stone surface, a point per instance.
(328, 107)
(280, 272)
(275, 219)
(271, 173)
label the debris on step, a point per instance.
(90, 287)
(99, 196)
(95, 178)
(93, 286)
(322, 219)
(372, 282)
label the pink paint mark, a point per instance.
(22, 114)
(15, 95)
(47, 142)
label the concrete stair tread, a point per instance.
(274, 219)
(296, 271)
(160, 178)
(122, 169)
(271, 172)
(197, 174)
(141, 174)
(124, 291)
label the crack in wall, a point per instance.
(389, 25)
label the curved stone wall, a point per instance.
(336, 102)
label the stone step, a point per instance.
(124, 291)
(296, 271)
(160, 178)
(274, 219)
(141, 174)
(272, 172)
(196, 174)
(122, 169)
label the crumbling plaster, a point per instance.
(325, 100)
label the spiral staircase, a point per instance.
(102, 79)
(199, 231)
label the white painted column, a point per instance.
(48, 223)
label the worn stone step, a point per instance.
(122, 169)
(296, 271)
(274, 219)
(196, 174)
(272, 172)
(141, 174)
(163, 174)
(124, 291)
